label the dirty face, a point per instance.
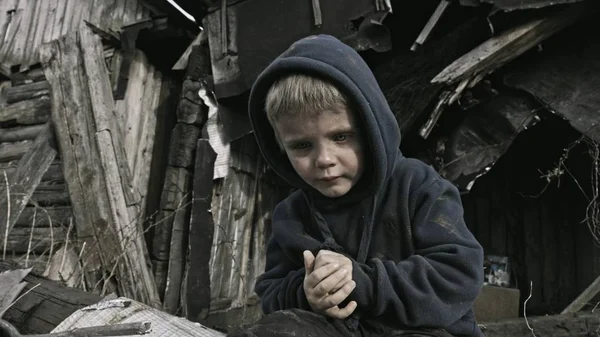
(325, 150)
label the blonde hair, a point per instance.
(302, 95)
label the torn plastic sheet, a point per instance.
(216, 133)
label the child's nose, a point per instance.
(325, 158)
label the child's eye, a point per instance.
(340, 137)
(300, 146)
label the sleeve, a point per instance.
(281, 286)
(439, 283)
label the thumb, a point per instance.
(309, 261)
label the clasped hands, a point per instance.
(328, 282)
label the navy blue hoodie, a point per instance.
(415, 263)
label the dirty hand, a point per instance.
(328, 285)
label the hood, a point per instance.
(327, 57)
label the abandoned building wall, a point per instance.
(26, 24)
(514, 211)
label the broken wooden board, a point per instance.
(17, 190)
(46, 304)
(11, 286)
(509, 45)
(33, 111)
(482, 137)
(40, 240)
(584, 298)
(95, 166)
(565, 80)
(197, 296)
(27, 91)
(21, 133)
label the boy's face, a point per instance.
(326, 150)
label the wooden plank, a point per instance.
(45, 217)
(35, 74)
(6, 11)
(59, 18)
(51, 17)
(197, 296)
(177, 255)
(71, 113)
(28, 175)
(175, 191)
(29, 48)
(27, 91)
(17, 51)
(54, 173)
(46, 305)
(11, 286)
(20, 133)
(14, 151)
(50, 194)
(35, 261)
(130, 108)
(35, 111)
(39, 240)
(183, 145)
(40, 29)
(67, 21)
(91, 150)
(584, 298)
(104, 108)
(234, 220)
(510, 44)
(191, 110)
(11, 37)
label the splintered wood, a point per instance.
(105, 199)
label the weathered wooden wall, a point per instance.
(43, 224)
(26, 24)
(543, 234)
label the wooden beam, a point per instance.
(509, 45)
(95, 166)
(44, 217)
(197, 296)
(34, 111)
(20, 133)
(584, 298)
(38, 240)
(27, 91)
(15, 195)
(46, 304)
(14, 151)
(11, 286)
(182, 63)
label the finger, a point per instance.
(340, 284)
(339, 296)
(318, 275)
(328, 283)
(342, 313)
(309, 261)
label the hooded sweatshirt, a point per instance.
(414, 261)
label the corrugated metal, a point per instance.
(25, 24)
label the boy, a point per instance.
(372, 243)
